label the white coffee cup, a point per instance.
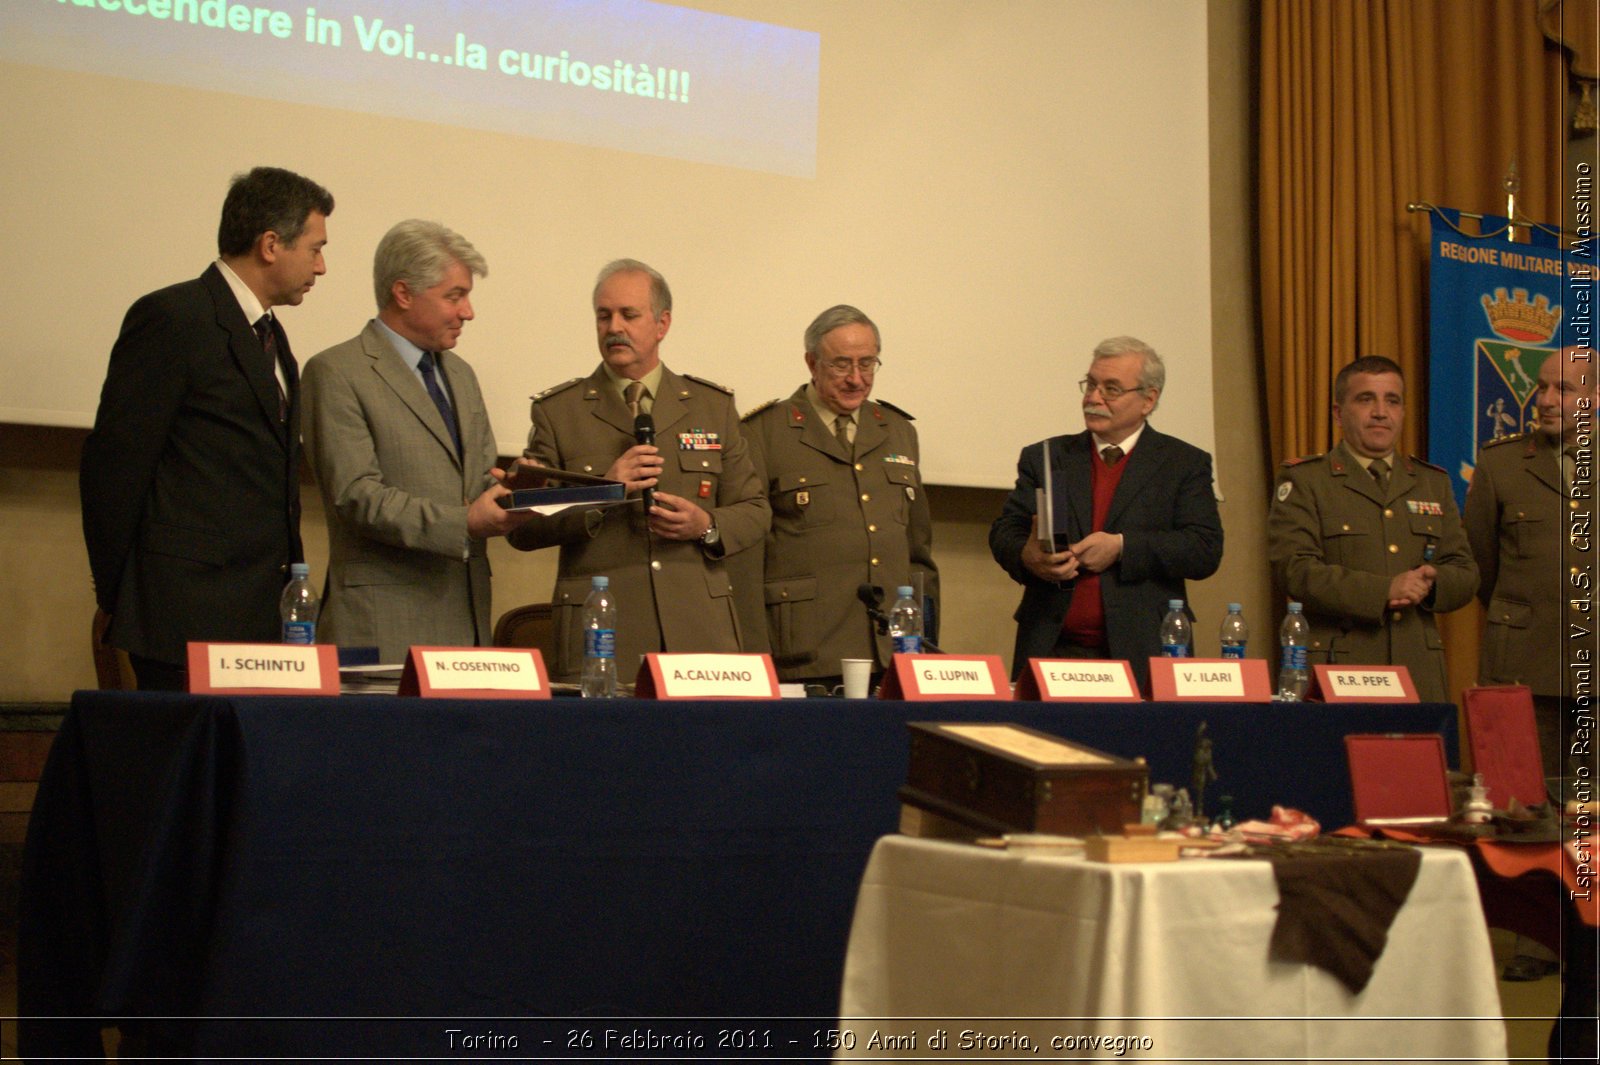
(857, 676)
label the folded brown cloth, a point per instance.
(1336, 903)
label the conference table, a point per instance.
(283, 876)
(1023, 954)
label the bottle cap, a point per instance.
(599, 582)
(1234, 608)
(904, 591)
(299, 570)
(1174, 604)
(1294, 608)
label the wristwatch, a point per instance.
(712, 536)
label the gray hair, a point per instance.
(660, 294)
(419, 252)
(1153, 372)
(832, 319)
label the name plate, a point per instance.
(1076, 680)
(263, 669)
(945, 678)
(1210, 680)
(1365, 684)
(475, 673)
(690, 676)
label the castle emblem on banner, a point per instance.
(1508, 368)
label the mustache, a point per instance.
(617, 338)
(1100, 411)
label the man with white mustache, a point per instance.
(1135, 515)
(664, 559)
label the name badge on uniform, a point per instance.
(1425, 506)
(699, 440)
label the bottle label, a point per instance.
(908, 645)
(1233, 650)
(1294, 657)
(600, 643)
(301, 633)
(1175, 650)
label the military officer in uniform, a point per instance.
(1370, 540)
(1517, 519)
(665, 564)
(848, 508)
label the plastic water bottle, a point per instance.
(1293, 676)
(1235, 633)
(1177, 635)
(905, 622)
(299, 606)
(599, 641)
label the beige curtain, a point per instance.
(1367, 105)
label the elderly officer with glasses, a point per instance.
(1135, 517)
(848, 508)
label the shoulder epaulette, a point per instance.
(904, 414)
(553, 389)
(1497, 441)
(765, 406)
(708, 384)
(1288, 463)
(1431, 466)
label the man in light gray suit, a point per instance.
(396, 430)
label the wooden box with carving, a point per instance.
(987, 779)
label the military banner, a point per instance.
(1496, 314)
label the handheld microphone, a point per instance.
(644, 432)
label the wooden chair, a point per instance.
(112, 669)
(527, 626)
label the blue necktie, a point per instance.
(430, 381)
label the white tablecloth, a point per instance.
(1022, 950)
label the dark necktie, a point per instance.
(841, 429)
(269, 344)
(430, 381)
(1380, 473)
(1112, 454)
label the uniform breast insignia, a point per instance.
(802, 498)
(553, 389)
(708, 384)
(904, 460)
(768, 404)
(1284, 489)
(1425, 506)
(699, 440)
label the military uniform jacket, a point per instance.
(837, 522)
(1522, 533)
(401, 568)
(1336, 541)
(671, 595)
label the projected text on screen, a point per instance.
(627, 74)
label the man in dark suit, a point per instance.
(190, 478)
(1135, 517)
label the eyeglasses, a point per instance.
(1109, 391)
(845, 367)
